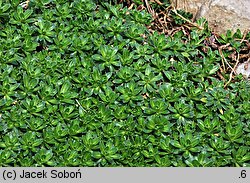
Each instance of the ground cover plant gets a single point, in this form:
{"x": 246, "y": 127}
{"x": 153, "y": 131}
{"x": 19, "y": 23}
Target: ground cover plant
{"x": 101, "y": 83}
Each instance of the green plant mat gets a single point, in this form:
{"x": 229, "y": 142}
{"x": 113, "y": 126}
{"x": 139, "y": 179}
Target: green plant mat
{"x": 89, "y": 83}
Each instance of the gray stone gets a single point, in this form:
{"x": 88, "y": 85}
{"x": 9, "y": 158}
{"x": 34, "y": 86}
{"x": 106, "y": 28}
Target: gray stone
{"x": 244, "y": 69}
{"x": 222, "y": 15}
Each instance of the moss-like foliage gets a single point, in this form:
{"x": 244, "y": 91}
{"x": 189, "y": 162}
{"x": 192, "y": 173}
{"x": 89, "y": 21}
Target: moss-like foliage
{"x": 84, "y": 83}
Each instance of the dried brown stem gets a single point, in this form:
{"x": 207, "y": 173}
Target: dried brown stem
{"x": 190, "y": 22}
{"x": 231, "y": 74}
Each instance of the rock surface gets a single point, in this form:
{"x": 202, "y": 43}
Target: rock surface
{"x": 221, "y": 14}
{"x": 244, "y": 69}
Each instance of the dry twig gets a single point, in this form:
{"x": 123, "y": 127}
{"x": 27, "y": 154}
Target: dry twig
{"x": 224, "y": 60}
{"x": 149, "y": 7}
{"x": 233, "y": 71}
{"x": 244, "y": 36}
{"x": 25, "y": 4}
{"x": 190, "y": 22}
